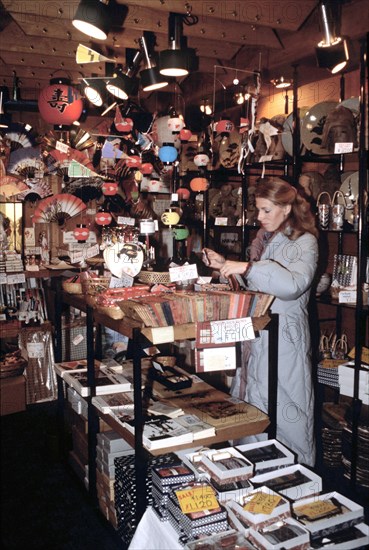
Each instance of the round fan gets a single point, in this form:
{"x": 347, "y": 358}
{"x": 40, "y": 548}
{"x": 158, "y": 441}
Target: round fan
{"x": 58, "y": 208}
{"x": 124, "y": 258}
{"x": 19, "y": 136}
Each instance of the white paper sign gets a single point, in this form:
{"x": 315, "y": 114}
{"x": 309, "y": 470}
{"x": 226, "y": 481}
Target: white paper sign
{"x": 347, "y": 296}
{"x": 32, "y": 250}
{"x": 3, "y": 279}
{"x": 35, "y": 350}
{"x": 183, "y": 273}
{"x": 221, "y": 221}
{"x": 92, "y": 251}
{"x": 29, "y": 236}
{"x": 16, "y": 279}
{"x": 121, "y": 282}
{"x": 215, "y": 359}
{"x": 62, "y": 147}
{"x": 78, "y": 256}
{"x": 232, "y": 330}
{"x": 2, "y": 317}
{"x": 122, "y": 220}
{"x": 340, "y": 148}
{"x": 78, "y": 339}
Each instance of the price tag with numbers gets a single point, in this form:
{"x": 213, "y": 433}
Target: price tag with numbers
{"x": 62, "y": 147}
{"x": 340, "y": 148}
{"x": 16, "y": 279}
{"x": 262, "y": 503}
{"x": 35, "y": 350}
{"x": 197, "y": 499}
{"x": 183, "y": 273}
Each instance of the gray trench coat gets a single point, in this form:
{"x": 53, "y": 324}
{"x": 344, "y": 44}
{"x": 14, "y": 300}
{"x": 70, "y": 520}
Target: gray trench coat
{"x": 286, "y": 270}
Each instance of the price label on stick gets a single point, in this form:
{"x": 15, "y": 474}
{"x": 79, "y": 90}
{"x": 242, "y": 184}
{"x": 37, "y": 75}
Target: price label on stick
{"x": 197, "y": 499}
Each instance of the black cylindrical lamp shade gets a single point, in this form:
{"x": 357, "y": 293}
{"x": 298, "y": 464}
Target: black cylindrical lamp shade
{"x": 151, "y": 79}
{"x": 122, "y": 86}
{"x": 175, "y": 62}
{"x": 95, "y": 92}
{"x": 333, "y": 57}
{"x": 93, "y": 17}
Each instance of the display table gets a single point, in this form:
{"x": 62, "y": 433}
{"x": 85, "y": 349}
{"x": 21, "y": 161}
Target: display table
{"x": 154, "y": 534}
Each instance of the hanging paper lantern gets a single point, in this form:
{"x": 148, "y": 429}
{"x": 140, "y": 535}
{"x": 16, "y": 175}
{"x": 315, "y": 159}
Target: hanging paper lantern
{"x": 168, "y": 154}
{"x": 183, "y": 193}
{"x": 175, "y": 124}
{"x": 185, "y": 134}
{"x": 60, "y": 103}
{"x": 110, "y": 188}
{"x": 170, "y": 217}
{"x": 180, "y": 232}
{"x": 133, "y": 162}
{"x": 199, "y": 184}
{"x": 124, "y": 125}
{"x": 201, "y": 159}
{"x": 103, "y": 218}
{"x": 147, "y": 168}
{"x": 224, "y": 127}
{"x": 81, "y": 233}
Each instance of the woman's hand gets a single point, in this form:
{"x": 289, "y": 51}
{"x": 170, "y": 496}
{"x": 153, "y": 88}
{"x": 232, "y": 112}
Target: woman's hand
{"x": 226, "y": 267}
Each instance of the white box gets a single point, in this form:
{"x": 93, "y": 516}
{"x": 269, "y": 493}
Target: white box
{"x": 285, "y": 477}
{"x": 227, "y": 464}
{"x": 192, "y": 459}
{"x": 282, "y": 509}
{"x": 288, "y": 534}
{"x": 352, "y": 514}
{"x": 261, "y": 455}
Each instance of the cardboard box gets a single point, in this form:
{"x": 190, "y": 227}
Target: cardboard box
{"x": 13, "y": 394}
{"x": 267, "y": 455}
{"x": 294, "y": 482}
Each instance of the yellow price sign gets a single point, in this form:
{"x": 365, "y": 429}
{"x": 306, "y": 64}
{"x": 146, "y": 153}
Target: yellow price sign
{"x": 316, "y": 509}
{"x": 262, "y": 503}
{"x": 197, "y": 499}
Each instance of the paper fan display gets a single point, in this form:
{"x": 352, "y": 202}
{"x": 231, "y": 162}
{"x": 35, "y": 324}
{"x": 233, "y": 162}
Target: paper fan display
{"x": 10, "y": 186}
{"x": 36, "y": 189}
{"x": 87, "y": 189}
{"x": 76, "y": 139}
{"x": 19, "y": 136}
{"x": 124, "y": 258}
{"x": 62, "y": 161}
{"x": 58, "y": 208}
{"x": 26, "y": 163}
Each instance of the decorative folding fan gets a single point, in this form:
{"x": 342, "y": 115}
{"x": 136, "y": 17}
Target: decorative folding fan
{"x": 10, "y": 186}
{"x": 19, "y": 136}
{"x": 87, "y": 189}
{"x": 28, "y": 168}
{"x": 58, "y": 208}
{"x": 36, "y": 190}
{"x": 76, "y": 139}
{"x": 84, "y": 55}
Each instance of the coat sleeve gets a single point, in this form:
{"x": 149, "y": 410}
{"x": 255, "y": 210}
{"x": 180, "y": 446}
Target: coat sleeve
{"x": 290, "y": 273}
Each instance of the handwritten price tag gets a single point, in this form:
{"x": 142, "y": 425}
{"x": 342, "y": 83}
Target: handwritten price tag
{"x": 262, "y": 503}
{"x": 125, "y": 221}
{"x": 197, "y": 499}
{"x": 340, "y": 148}
{"x": 316, "y": 509}
{"x": 183, "y": 273}
{"x": 35, "y": 350}
{"x": 62, "y": 147}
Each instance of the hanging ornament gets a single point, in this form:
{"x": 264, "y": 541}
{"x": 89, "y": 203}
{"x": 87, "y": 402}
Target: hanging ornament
{"x": 123, "y": 125}
{"x": 183, "y": 193}
{"x": 168, "y": 153}
{"x": 185, "y": 134}
{"x": 60, "y": 103}
{"x": 133, "y": 162}
{"x": 201, "y": 159}
{"x": 199, "y": 184}
{"x": 180, "y": 232}
{"x": 147, "y": 168}
{"x": 103, "y": 218}
{"x": 170, "y": 217}
{"x": 81, "y": 233}
{"x": 224, "y": 127}
{"x": 175, "y": 123}
{"x": 110, "y": 188}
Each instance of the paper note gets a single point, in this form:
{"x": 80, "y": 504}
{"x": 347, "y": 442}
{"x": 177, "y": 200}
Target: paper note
{"x": 262, "y": 503}
{"x": 232, "y": 330}
{"x": 197, "y": 499}
{"x": 183, "y": 273}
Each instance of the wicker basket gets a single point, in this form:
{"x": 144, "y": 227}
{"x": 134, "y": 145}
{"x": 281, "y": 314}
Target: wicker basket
{"x": 72, "y": 288}
{"x": 95, "y": 286}
{"x": 12, "y": 369}
{"x": 114, "y": 312}
{"x": 154, "y": 277}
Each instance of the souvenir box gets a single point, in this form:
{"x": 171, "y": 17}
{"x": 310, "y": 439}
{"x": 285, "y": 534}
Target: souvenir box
{"x": 294, "y": 482}
{"x": 260, "y": 508}
{"x": 226, "y": 465}
{"x": 327, "y": 513}
{"x": 192, "y": 458}
{"x": 288, "y": 534}
{"x": 356, "y": 536}
{"x": 267, "y": 455}
{"x": 229, "y": 540}
{"x": 232, "y": 489}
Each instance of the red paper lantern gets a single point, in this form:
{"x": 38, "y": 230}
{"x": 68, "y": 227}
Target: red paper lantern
{"x": 133, "y": 162}
{"x": 185, "y": 134}
{"x": 60, "y": 103}
{"x": 224, "y": 127}
{"x": 199, "y": 184}
{"x": 147, "y": 168}
{"x": 183, "y": 193}
{"x": 81, "y": 233}
{"x": 103, "y": 218}
{"x": 110, "y": 188}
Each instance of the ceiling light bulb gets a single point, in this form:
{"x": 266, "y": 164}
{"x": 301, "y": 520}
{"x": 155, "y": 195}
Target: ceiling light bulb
{"x": 236, "y": 81}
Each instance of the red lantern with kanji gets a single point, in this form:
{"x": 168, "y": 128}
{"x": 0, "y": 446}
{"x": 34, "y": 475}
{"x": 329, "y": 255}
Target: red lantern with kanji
{"x": 81, "y": 233}
{"x": 60, "y": 103}
{"x": 103, "y": 218}
{"x": 109, "y": 188}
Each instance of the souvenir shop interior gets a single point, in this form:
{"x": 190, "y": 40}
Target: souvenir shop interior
{"x": 184, "y": 274}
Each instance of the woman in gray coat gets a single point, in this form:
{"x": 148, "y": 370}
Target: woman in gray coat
{"x": 283, "y": 260}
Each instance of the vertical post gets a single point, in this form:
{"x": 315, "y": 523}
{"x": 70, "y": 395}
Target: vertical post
{"x": 273, "y": 327}
{"x": 296, "y": 140}
{"x": 93, "y": 419}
